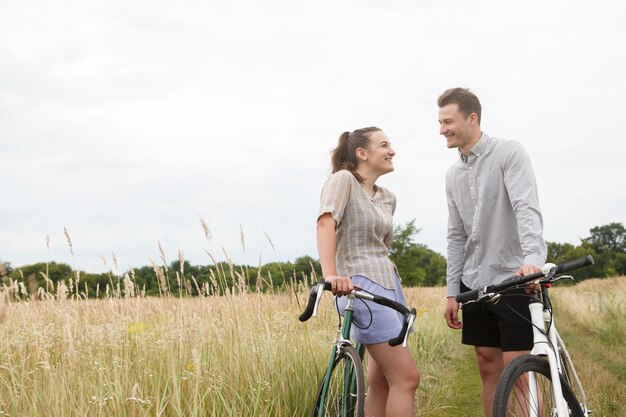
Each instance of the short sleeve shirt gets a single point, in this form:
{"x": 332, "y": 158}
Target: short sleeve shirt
{"x": 364, "y": 227}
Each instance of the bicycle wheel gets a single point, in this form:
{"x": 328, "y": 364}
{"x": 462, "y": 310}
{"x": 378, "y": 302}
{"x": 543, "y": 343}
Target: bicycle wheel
{"x": 514, "y": 398}
{"x": 344, "y": 395}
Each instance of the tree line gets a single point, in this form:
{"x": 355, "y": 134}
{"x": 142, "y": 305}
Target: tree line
{"x": 417, "y": 265}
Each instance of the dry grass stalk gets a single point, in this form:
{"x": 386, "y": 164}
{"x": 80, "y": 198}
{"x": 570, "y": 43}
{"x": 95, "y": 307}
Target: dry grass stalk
{"x": 48, "y": 281}
{"x": 162, "y": 255}
{"x": 259, "y": 279}
{"x": 195, "y": 283}
{"x": 178, "y": 281}
{"x": 181, "y": 262}
{"x": 3, "y": 306}
{"x": 129, "y": 287}
{"x": 242, "y": 237}
{"x": 213, "y": 281}
{"x": 269, "y": 240}
{"x": 205, "y": 227}
{"x": 62, "y": 292}
{"x": 69, "y": 240}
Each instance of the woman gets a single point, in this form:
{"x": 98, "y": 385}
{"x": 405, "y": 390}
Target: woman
{"x": 354, "y": 233}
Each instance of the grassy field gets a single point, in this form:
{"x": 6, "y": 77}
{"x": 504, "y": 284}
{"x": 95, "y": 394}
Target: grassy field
{"x": 246, "y": 354}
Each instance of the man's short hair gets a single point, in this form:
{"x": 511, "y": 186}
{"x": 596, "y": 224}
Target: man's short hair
{"x": 467, "y": 101}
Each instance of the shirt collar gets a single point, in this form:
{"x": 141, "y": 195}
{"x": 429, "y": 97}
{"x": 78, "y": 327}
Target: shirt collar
{"x": 479, "y": 148}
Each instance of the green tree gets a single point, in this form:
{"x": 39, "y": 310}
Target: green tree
{"x": 609, "y": 238}
{"x": 5, "y": 269}
{"x": 306, "y": 265}
{"x": 55, "y": 271}
{"x": 417, "y": 264}
{"x": 609, "y": 243}
{"x": 564, "y": 252}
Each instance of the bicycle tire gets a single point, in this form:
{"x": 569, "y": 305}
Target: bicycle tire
{"x": 346, "y": 375}
{"x": 506, "y": 402}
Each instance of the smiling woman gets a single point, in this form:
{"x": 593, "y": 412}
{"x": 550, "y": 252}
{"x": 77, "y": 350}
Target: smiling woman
{"x": 354, "y": 234}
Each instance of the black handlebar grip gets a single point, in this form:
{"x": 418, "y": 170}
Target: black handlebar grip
{"x": 405, "y": 328}
{"x": 576, "y": 263}
{"x": 466, "y": 296}
{"x": 310, "y": 306}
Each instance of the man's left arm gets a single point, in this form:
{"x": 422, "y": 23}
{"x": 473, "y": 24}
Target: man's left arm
{"x": 521, "y": 185}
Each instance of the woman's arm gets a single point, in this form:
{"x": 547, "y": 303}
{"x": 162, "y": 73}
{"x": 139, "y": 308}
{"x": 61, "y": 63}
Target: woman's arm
{"x": 327, "y": 250}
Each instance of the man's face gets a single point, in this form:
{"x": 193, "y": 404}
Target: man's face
{"x": 455, "y": 126}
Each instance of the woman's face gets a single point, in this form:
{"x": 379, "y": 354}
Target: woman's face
{"x": 378, "y": 156}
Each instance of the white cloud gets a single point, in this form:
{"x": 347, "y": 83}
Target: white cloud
{"x": 126, "y": 121}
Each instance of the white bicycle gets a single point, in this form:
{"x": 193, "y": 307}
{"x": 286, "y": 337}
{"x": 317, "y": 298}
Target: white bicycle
{"x": 544, "y": 382}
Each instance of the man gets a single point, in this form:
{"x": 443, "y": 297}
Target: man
{"x": 495, "y": 231}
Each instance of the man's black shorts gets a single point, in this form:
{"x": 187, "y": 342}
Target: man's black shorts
{"x": 499, "y": 324}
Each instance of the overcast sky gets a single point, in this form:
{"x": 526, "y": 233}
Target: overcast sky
{"x": 127, "y": 121}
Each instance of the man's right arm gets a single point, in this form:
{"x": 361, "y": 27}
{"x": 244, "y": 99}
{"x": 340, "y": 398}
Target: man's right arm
{"x": 457, "y": 239}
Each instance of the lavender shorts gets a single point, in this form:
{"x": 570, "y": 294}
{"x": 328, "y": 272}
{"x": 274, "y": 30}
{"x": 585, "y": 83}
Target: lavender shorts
{"x": 376, "y": 324}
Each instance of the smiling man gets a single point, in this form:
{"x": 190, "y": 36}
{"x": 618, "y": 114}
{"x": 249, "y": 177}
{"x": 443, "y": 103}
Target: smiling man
{"x": 495, "y": 230}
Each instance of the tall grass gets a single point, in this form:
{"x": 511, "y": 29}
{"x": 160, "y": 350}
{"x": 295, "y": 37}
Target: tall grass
{"x": 591, "y": 318}
{"x": 243, "y": 353}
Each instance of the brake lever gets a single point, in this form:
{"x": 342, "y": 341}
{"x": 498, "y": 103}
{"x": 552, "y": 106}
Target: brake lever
{"x": 320, "y": 292}
{"x": 555, "y": 279}
{"x": 408, "y": 329}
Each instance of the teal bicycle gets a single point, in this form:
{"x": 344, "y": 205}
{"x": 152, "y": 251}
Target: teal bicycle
{"x": 342, "y": 390}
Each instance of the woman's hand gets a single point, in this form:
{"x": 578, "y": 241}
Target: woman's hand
{"x": 341, "y": 285}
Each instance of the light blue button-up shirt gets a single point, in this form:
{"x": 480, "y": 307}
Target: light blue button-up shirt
{"x": 494, "y": 220}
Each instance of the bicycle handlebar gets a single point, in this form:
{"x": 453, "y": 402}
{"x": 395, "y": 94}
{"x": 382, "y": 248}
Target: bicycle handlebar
{"x": 409, "y": 315}
{"x": 517, "y": 280}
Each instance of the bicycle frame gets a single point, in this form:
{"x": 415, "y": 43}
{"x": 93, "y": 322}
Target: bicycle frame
{"x": 549, "y": 344}
{"x": 343, "y": 339}
{"x": 353, "y": 385}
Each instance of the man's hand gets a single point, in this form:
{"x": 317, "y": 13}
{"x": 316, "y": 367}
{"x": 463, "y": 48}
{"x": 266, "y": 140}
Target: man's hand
{"x": 452, "y": 314}
{"x": 527, "y": 270}
{"x": 341, "y": 285}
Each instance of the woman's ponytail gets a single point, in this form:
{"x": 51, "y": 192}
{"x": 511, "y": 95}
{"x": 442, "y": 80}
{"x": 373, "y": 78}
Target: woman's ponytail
{"x": 344, "y": 155}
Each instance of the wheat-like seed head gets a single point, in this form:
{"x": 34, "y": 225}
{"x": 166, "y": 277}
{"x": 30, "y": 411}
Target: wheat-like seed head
{"x": 181, "y": 262}
{"x": 162, "y": 254}
{"x": 205, "y": 227}
{"x": 242, "y": 236}
{"x": 69, "y": 239}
